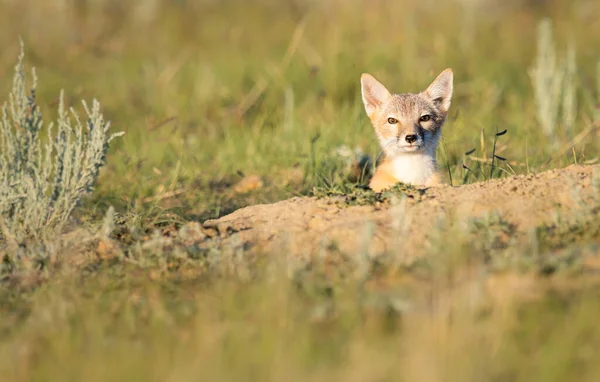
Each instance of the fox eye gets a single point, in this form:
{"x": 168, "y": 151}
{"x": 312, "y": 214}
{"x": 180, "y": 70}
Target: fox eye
{"x": 425, "y": 118}
{"x": 392, "y": 121}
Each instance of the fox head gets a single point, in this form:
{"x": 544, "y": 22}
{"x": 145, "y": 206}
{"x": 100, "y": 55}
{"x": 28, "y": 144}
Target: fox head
{"x": 409, "y": 122}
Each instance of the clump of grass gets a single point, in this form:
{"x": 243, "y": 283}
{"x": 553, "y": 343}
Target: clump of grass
{"x": 553, "y": 81}
{"x": 582, "y": 227}
{"x": 491, "y": 233}
{"x": 495, "y": 159}
{"x": 336, "y": 167}
{"x": 40, "y": 184}
{"x": 361, "y": 195}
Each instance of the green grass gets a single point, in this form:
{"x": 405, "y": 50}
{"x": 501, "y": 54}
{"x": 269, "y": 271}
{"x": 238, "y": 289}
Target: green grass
{"x": 202, "y": 92}
{"x": 210, "y": 92}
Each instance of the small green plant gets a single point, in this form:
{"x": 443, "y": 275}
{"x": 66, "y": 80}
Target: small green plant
{"x": 40, "y": 184}
{"x": 494, "y": 158}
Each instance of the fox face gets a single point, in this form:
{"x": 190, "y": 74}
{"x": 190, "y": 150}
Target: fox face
{"x": 410, "y": 122}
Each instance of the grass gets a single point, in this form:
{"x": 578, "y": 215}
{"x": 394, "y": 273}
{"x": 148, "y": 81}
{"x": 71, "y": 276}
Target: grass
{"x": 437, "y": 319}
{"x": 213, "y": 93}
{"x": 200, "y": 101}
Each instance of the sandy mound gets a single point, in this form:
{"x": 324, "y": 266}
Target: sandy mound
{"x": 304, "y": 226}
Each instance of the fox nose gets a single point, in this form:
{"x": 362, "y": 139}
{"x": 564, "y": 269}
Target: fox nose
{"x": 411, "y": 138}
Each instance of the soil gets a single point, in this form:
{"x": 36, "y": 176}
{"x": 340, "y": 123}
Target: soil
{"x": 308, "y": 225}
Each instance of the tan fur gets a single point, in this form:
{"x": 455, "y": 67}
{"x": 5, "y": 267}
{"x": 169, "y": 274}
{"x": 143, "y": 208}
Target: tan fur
{"x": 383, "y": 178}
{"x": 408, "y": 127}
{"x": 435, "y": 180}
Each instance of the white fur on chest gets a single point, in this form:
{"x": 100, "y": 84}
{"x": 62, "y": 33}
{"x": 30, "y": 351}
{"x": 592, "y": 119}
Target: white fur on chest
{"x": 414, "y": 169}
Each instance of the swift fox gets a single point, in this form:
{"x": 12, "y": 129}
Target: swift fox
{"x": 408, "y": 127}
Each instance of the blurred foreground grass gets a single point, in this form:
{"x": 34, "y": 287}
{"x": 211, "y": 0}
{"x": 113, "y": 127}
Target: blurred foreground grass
{"x": 209, "y": 92}
{"x": 125, "y": 325}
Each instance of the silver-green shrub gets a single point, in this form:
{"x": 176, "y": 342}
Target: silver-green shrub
{"x": 554, "y": 83}
{"x": 42, "y": 178}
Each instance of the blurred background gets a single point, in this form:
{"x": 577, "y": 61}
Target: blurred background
{"x": 228, "y": 103}
{"x": 212, "y": 92}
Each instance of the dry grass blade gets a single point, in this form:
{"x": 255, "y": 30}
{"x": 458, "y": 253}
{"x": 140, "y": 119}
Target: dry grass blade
{"x": 593, "y": 127}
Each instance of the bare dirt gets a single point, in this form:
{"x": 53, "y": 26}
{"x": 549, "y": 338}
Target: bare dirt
{"x": 305, "y": 226}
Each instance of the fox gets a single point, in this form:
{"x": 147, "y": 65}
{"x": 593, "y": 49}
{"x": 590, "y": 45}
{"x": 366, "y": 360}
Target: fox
{"x": 408, "y": 127}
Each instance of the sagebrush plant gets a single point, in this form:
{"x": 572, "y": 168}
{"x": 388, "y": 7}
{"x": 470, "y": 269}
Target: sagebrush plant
{"x": 43, "y": 178}
{"x": 553, "y": 81}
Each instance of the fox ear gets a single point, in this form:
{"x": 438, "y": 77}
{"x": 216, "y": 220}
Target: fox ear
{"x": 374, "y": 94}
{"x": 440, "y": 90}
